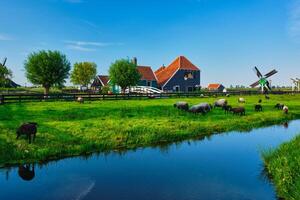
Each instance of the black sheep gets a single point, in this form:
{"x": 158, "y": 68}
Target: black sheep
{"x": 240, "y": 110}
{"x": 279, "y": 106}
{"x": 227, "y": 108}
{"x": 259, "y": 101}
{"x": 258, "y": 107}
{"x": 27, "y": 129}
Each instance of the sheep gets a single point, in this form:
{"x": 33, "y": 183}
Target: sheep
{"x": 227, "y": 95}
{"x": 220, "y": 103}
{"x": 259, "y": 101}
{"x": 80, "y": 100}
{"x": 182, "y": 105}
{"x": 279, "y": 106}
{"x": 239, "y": 110}
{"x": 227, "y": 108}
{"x": 285, "y": 109}
{"x": 258, "y": 107}
{"x": 200, "y": 108}
{"x": 27, "y": 129}
{"x": 267, "y": 97}
{"x": 241, "y": 100}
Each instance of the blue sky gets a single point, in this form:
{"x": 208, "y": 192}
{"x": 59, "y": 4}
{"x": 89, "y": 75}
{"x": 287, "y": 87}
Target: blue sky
{"x": 225, "y": 38}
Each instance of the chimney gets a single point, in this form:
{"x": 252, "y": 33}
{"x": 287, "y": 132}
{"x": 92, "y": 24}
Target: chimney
{"x": 134, "y": 60}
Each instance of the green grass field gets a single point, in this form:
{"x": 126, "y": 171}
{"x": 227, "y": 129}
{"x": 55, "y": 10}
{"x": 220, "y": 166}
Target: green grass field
{"x": 283, "y": 166}
{"x": 68, "y": 128}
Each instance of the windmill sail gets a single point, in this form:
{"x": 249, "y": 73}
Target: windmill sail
{"x": 4, "y": 61}
{"x": 271, "y": 73}
{"x": 259, "y": 75}
{"x": 268, "y": 85}
{"x": 254, "y": 84}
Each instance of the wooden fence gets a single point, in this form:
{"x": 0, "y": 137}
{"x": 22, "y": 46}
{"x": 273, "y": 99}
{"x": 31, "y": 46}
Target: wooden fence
{"x": 18, "y": 98}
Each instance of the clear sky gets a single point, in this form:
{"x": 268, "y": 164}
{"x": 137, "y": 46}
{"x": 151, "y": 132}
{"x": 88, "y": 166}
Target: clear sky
{"x": 225, "y": 38}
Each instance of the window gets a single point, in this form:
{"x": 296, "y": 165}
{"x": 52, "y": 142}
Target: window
{"x": 188, "y": 75}
{"x": 176, "y": 88}
{"x": 149, "y": 83}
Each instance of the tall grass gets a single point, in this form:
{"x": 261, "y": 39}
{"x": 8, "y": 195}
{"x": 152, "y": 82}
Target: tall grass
{"x": 69, "y": 128}
{"x": 283, "y": 166}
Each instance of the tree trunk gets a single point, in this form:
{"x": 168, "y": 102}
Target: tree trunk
{"x": 46, "y": 91}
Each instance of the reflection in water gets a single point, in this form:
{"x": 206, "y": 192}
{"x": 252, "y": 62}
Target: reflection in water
{"x": 225, "y": 167}
{"x": 26, "y": 172}
{"x": 286, "y": 125}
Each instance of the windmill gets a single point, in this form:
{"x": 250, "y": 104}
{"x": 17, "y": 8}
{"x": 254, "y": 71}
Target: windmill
{"x": 296, "y": 83}
{"x": 4, "y": 62}
{"x": 263, "y": 80}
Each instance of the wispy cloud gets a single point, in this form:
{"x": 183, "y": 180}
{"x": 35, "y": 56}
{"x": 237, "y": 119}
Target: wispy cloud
{"x": 4, "y": 37}
{"x": 294, "y": 20}
{"x": 87, "y": 45}
{"x": 79, "y": 48}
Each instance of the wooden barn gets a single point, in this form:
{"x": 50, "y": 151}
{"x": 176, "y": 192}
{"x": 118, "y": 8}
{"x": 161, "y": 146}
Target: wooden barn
{"x": 180, "y": 76}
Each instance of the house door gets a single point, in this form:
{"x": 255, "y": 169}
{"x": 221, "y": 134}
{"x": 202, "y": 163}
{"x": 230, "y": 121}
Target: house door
{"x": 190, "y": 89}
{"x": 177, "y": 88}
{"x": 149, "y": 83}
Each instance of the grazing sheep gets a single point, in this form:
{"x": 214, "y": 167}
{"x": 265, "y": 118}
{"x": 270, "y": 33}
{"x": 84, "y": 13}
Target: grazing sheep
{"x": 267, "y": 97}
{"x": 80, "y": 100}
{"x": 201, "y": 95}
{"x": 200, "y": 108}
{"x": 258, "y": 107}
{"x": 285, "y": 109}
{"x": 279, "y": 106}
{"x": 27, "y": 129}
{"x": 259, "y": 101}
{"x": 241, "y": 100}
{"x": 227, "y": 108}
{"x": 227, "y": 95}
{"x": 220, "y": 103}
{"x": 240, "y": 110}
{"x": 182, "y": 105}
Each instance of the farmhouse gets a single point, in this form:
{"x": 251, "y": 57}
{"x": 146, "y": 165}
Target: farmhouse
{"x": 180, "y": 76}
{"x": 215, "y": 87}
{"x": 148, "y": 78}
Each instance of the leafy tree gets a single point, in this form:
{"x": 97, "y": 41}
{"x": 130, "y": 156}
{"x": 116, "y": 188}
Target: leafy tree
{"x": 124, "y": 73}
{"x": 47, "y": 68}
{"x": 83, "y": 73}
{"x": 5, "y": 75}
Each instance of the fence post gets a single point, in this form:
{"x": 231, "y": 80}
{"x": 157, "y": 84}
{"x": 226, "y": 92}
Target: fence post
{"x": 1, "y": 99}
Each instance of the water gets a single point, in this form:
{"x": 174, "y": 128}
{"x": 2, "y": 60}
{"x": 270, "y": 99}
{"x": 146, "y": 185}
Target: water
{"x": 223, "y": 167}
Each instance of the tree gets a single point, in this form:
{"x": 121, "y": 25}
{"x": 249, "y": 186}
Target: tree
{"x": 124, "y": 73}
{"x": 47, "y": 68}
{"x": 83, "y": 73}
{"x": 5, "y": 75}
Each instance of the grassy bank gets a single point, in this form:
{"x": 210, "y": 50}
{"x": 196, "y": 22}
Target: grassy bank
{"x": 283, "y": 166}
{"x": 69, "y": 128}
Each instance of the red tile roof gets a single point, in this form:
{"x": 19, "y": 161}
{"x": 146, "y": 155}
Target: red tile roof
{"x": 181, "y": 62}
{"x": 104, "y": 79}
{"x": 146, "y": 72}
{"x": 213, "y": 86}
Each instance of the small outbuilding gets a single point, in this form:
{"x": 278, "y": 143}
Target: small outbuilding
{"x": 216, "y": 87}
{"x": 99, "y": 82}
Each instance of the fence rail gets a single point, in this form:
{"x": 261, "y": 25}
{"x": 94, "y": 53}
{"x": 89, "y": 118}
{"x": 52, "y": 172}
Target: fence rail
{"x": 18, "y": 98}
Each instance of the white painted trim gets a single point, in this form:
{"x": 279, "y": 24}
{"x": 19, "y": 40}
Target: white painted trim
{"x": 170, "y": 78}
{"x": 100, "y": 81}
